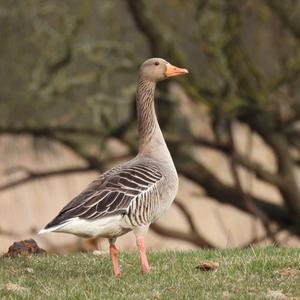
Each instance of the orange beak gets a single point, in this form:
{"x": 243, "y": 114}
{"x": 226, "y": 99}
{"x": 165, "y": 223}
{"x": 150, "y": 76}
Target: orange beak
{"x": 174, "y": 71}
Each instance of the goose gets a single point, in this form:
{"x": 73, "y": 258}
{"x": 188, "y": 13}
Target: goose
{"x": 131, "y": 195}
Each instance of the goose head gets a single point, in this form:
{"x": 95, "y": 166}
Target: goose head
{"x": 157, "y": 69}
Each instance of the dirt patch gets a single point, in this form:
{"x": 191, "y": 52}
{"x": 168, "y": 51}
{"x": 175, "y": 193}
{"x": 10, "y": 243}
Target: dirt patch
{"x": 208, "y": 265}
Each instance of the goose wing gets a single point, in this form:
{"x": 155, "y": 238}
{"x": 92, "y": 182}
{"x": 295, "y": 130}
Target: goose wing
{"x": 110, "y": 194}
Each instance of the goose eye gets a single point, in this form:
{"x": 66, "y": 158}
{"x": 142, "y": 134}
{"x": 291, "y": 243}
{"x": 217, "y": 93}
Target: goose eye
{"x": 156, "y": 63}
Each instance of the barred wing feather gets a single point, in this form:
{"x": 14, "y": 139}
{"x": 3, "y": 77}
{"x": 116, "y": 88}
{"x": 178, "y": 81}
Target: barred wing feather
{"x": 112, "y": 193}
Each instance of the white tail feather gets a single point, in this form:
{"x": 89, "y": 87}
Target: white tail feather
{"x": 106, "y": 227}
{"x": 54, "y": 228}
{"x": 42, "y": 231}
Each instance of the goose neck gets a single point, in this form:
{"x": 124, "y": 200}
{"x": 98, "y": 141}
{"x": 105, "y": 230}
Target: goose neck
{"x": 150, "y": 136}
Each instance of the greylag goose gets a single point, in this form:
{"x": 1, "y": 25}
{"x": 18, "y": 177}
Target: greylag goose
{"x": 132, "y": 195}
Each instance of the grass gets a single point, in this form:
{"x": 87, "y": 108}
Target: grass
{"x": 242, "y": 274}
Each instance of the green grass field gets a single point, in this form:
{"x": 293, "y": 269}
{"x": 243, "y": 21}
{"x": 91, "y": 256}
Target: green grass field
{"x": 257, "y": 273}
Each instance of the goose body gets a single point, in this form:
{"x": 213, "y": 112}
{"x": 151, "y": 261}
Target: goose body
{"x": 128, "y": 196}
{"x": 132, "y": 195}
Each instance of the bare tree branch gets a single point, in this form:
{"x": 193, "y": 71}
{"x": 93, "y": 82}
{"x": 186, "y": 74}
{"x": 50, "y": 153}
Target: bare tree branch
{"x": 289, "y": 75}
{"x": 284, "y": 14}
{"x": 187, "y": 215}
{"x": 9, "y": 233}
{"x": 64, "y": 60}
{"x": 35, "y": 175}
{"x": 200, "y": 141}
{"x": 257, "y": 169}
{"x": 193, "y": 236}
{"x": 249, "y": 204}
{"x": 188, "y": 237}
{"x": 51, "y": 131}
{"x": 241, "y": 159}
{"x": 288, "y": 188}
{"x": 147, "y": 25}
{"x": 192, "y": 169}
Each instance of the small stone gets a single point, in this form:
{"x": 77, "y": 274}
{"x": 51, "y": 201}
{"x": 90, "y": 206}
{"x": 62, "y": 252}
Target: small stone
{"x": 29, "y": 270}
{"x": 226, "y": 295}
{"x": 98, "y": 252}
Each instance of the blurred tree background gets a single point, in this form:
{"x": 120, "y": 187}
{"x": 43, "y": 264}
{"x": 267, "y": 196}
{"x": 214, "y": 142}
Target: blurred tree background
{"x": 68, "y": 75}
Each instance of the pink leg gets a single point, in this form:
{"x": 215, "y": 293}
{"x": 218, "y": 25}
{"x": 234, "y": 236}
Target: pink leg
{"x": 114, "y": 258}
{"x": 142, "y": 248}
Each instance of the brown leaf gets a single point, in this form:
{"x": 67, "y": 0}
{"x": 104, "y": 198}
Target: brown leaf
{"x": 208, "y": 265}
{"x": 276, "y": 295}
{"x": 286, "y": 272}
{"x": 15, "y": 288}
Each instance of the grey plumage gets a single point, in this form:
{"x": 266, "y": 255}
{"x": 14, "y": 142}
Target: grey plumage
{"x": 130, "y": 189}
{"x": 132, "y": 195}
